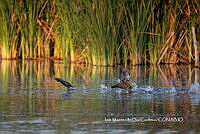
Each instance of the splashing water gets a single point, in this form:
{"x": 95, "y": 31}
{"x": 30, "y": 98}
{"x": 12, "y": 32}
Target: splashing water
{"x": 195, "y": 88}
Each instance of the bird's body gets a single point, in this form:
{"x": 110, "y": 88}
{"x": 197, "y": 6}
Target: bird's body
{"x": 125, "y": 82}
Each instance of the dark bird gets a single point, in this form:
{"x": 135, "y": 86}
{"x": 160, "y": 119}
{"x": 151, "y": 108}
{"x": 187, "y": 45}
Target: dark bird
{"x": 66, "y": 84}
{"x": 125, "y": 82}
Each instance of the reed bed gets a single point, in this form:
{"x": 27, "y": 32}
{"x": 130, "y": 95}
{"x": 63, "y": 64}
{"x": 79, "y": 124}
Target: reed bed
{"x": 106, "y": 32}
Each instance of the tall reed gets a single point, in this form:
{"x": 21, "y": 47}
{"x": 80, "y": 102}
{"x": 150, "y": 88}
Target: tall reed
{"x": 138, "y": 20}
{"x": 8, "y": 39}
{"x": 106, "y": 32}
{"x": 104, "y": 19}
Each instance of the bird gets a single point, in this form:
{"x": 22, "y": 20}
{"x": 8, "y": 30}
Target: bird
{"x": 125, "y": 82}
{"x": 65, "y": 83}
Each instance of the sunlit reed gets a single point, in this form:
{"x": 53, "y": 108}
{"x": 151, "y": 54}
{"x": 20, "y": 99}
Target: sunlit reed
{"x": 99, "y": 32}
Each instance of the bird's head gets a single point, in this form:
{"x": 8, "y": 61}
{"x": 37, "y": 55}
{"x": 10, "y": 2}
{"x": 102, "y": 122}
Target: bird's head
{"x": 125, "y": 74}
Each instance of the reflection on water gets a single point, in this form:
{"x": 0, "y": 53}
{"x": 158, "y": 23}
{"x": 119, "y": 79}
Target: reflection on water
{"x": 165, "y": 99}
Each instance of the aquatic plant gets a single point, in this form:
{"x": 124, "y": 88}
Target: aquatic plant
{"x": 99, "y": 32}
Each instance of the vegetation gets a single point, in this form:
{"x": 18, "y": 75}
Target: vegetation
{"x": 106, "y": 32}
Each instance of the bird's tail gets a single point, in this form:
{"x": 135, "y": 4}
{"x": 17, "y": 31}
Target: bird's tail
{"x": 65, "y": 83}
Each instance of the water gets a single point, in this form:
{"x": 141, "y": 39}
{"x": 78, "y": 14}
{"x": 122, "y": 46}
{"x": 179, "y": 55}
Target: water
{"x": 165, "y": 99}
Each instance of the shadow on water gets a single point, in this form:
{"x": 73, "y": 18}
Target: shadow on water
{"x": 165, "y": 99}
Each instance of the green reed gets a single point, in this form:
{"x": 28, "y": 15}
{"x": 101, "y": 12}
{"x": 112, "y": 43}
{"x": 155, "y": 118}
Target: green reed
{"x": 69, "y": 30}
{"x": 7, "y": 27}
{"x": 137, "y": 21}
{"x": 157, "y": 34}
{"x": 103, "y": 28}
{"x": 106, "y": 32}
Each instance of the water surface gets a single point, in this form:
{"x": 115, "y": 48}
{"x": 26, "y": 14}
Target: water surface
{"x": 165, "y": 99}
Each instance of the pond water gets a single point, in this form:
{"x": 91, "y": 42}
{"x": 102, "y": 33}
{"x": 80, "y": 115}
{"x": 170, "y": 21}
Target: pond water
{"x": 165, "y": 99}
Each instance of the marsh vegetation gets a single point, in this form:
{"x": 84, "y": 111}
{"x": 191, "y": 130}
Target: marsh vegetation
{"x": 106, "y": 32}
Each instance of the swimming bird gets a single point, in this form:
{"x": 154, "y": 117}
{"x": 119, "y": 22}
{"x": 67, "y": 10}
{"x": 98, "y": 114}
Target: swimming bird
{"x": 125, "y": 82}
{"x": 65, "y": 83}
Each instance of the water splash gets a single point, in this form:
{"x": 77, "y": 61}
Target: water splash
{"x": 103, "y": 88}
{"x": 195, "y": 88}
{"x": 195, "y": 94}
{"x": 171, "y": 90}
{"x": 144, "y": 90}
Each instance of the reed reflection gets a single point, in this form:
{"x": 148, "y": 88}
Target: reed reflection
{"x": 29, "y": 87}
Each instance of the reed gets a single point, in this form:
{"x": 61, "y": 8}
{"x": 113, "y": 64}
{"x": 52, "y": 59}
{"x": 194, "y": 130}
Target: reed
{"x": 7, "y": 26}
{"x": 99, "y": 32}
{"x": 157, "y": 30}
{"x": 103, "y": 29}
